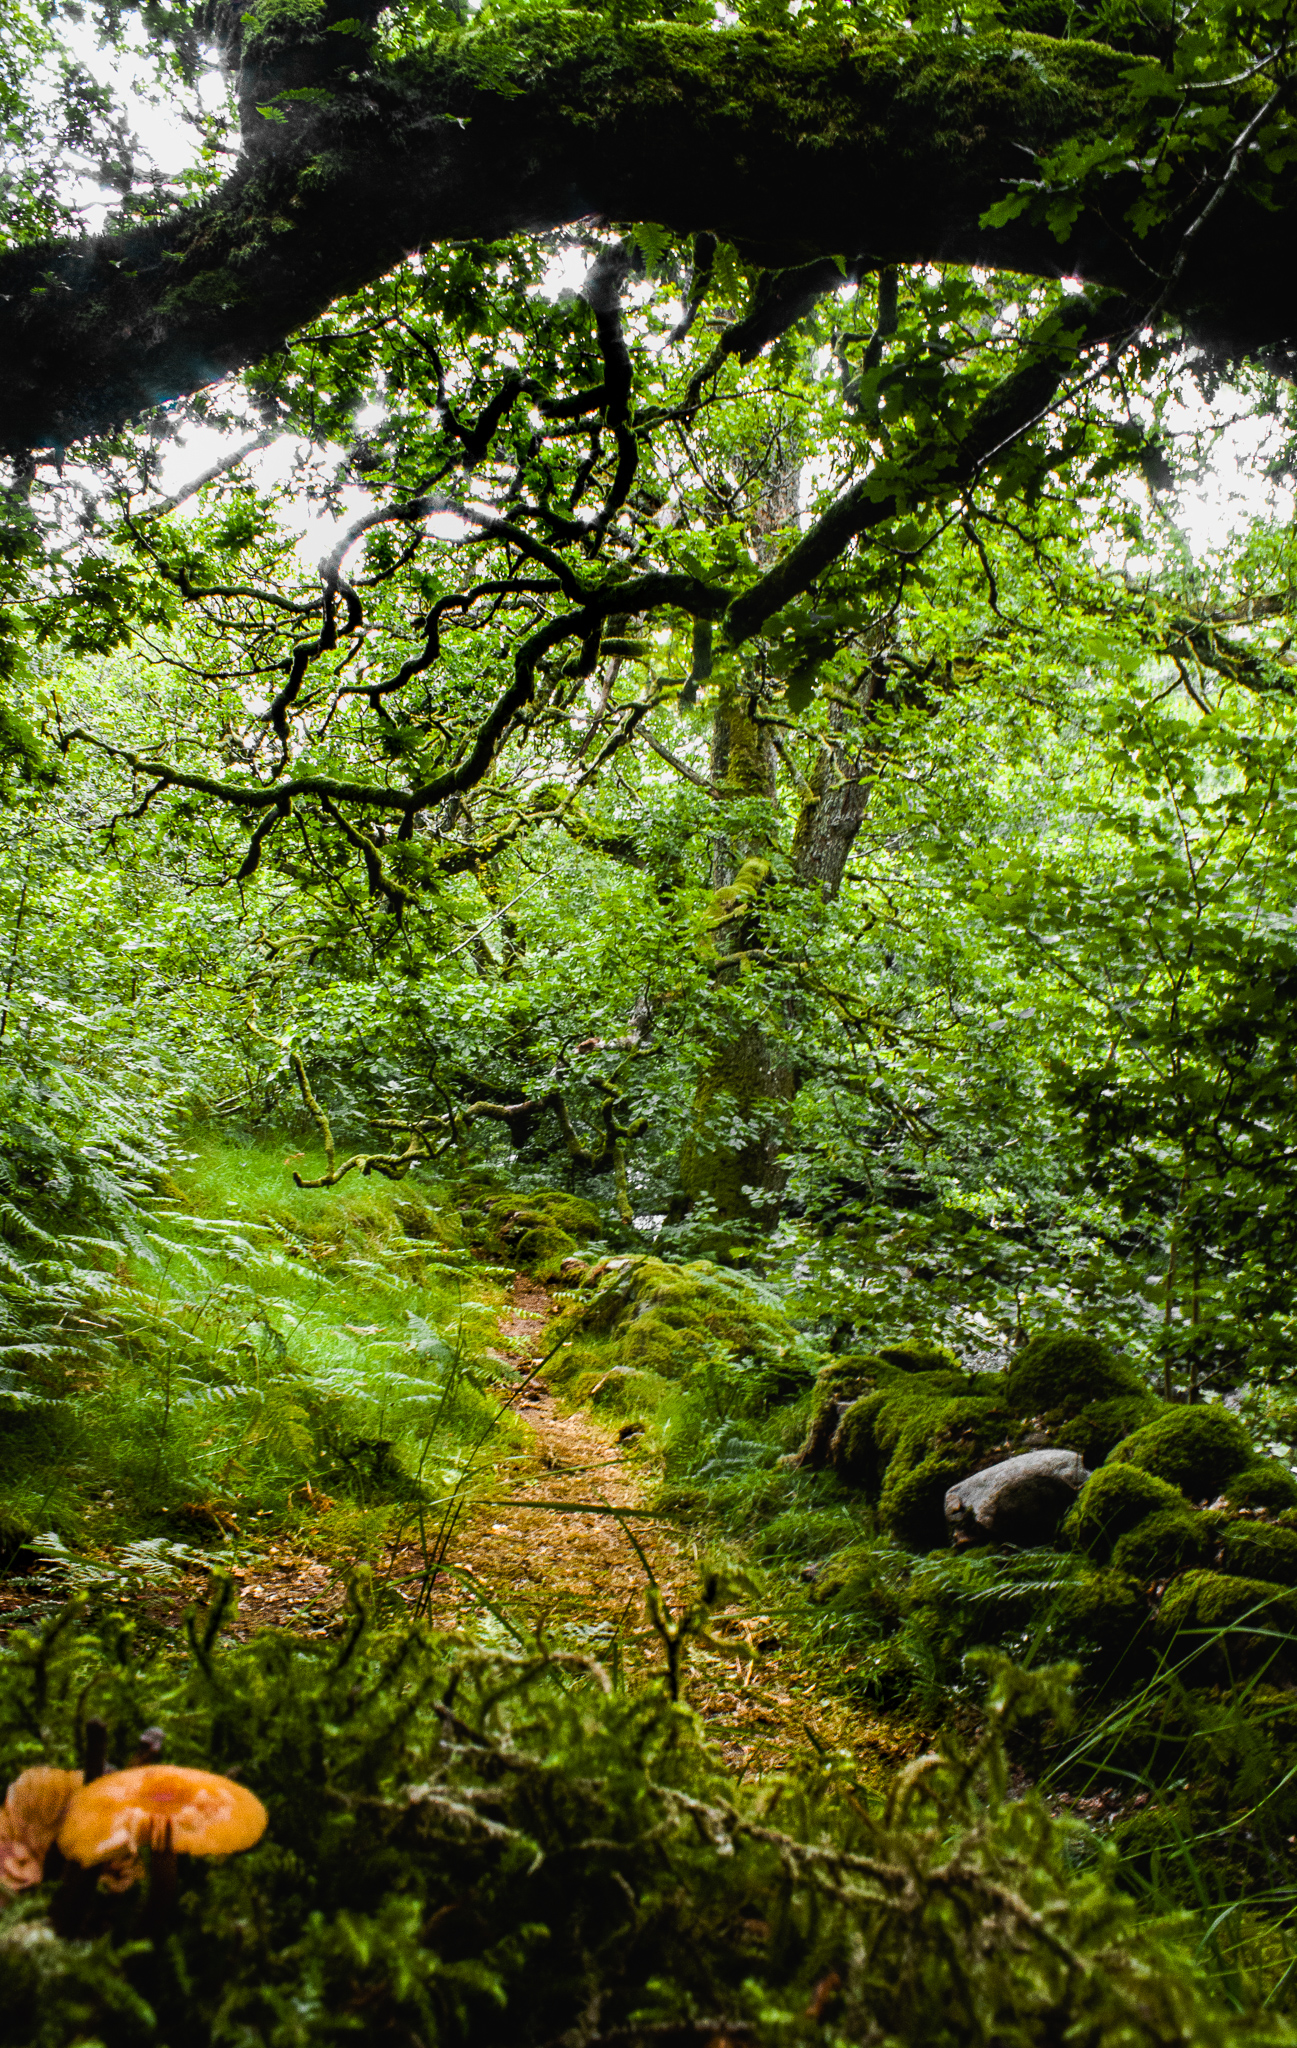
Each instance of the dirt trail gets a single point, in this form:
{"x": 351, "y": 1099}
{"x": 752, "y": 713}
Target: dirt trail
{"x": 580, "y": 1571}
{"x": 544, "y": 1551}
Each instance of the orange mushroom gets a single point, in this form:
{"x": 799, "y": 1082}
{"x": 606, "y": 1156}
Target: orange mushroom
{"x": 29, "y": 1820}
{"x": 165, "y": 1806}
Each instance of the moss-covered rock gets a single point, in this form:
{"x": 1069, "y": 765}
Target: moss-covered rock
{"x": 542, "y": 1231}
{"x": 1197, "y": 1449}
{"x": 931, "y": 1453}
{"x": 1101, "y": 1425}
{"x": 1100, "y": 1615}
{"x": 1253, "y": 1550}
{"x": 1217, "y": 1601}
{"x": 542, "y": 1249}
{"x": 1117, "y": 1499}
{"x": 1068, "y": 1373}
{"x": 1267, "y": 1484}
{"x": 675, "y": 1322}
{"x": 859, "y": 1457}
{"x": 918, "y": 1357}
{"x": 908, "y": 1440}
{"x": 1170, "y": 1541}
{"x": 900, "y": 1416}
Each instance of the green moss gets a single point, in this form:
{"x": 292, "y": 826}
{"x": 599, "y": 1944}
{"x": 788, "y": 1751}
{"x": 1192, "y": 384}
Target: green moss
{"x": 1252, "y": 1550}
{"x": 542, "y": 1249}
{"x": 579, "y": 1218}
{"x": 1117, "y": 1499}
{"x": 918, "y": 1357}
{"x": 844, "y": 1379}
{"x": 935, "y": 1443}
{"x": 684, "y": 1323}
{"x": 1267, "y": 1484}
{"x": 666, "y": 1342}
{"x": 1215, "y": 1600}
{"x": 912, "y": 1507}
{"x": 1197, "y": 1449}
{"x": 859, "y": 1458}
{"x": 1101, "y": 1425}
{"x": 538, "y": 1233}
{"x": 1069, "y": 1373}
{"x": 873, "y": 1426}
{"x": 1163, "y": 1544}
{"x": 1102, "y": 1612}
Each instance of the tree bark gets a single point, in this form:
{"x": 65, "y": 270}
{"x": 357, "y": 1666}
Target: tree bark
{"x": 892, "y": 147}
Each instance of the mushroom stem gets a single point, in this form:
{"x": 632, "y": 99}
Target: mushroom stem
{"x": 73, "y": 1902}
{"x": 96, "y": 1751}
{"x": 162, "y": 1884}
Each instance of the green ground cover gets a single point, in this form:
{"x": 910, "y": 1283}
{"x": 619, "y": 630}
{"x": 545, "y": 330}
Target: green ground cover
{"x": 254, "y": 1348}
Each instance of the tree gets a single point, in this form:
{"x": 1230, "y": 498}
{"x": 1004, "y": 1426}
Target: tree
{"x": 362, "y": 141}
{"x": 419, "y": 712}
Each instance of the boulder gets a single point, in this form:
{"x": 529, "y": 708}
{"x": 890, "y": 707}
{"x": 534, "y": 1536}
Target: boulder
{"x": 1021, "y": 1500}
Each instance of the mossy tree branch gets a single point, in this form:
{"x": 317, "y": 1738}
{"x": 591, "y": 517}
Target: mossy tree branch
{"x": 794, "y": 148}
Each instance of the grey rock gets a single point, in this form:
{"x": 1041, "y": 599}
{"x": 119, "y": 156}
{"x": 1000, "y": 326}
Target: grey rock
{"x": 1021, "y": 1500}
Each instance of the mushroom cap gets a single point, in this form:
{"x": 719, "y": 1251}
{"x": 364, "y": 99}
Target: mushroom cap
{"x": 117, "y": 1814}
{"x": 29, "y": 1820}
{"x": 35, "y": 1803}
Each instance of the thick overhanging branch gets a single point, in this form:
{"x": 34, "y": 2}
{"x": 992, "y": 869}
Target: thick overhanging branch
{"x": 937, "y": 467}
{"x": 794, "y": 147}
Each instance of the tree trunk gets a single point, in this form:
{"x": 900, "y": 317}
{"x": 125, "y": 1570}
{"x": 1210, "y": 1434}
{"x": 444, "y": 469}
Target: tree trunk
{"x": 740, "y": 1110}
{"x": 740, "y": 1107}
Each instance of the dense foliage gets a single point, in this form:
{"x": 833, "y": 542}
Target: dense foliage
{"x": 728, "y": 753}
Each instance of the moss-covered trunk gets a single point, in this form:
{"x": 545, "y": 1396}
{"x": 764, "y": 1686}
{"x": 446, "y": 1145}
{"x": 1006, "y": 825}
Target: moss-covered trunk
{"x": 740, "y": 1107}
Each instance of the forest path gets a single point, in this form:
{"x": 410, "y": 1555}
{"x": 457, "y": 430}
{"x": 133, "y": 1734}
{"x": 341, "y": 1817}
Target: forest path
{"x": 556, "y": 1548}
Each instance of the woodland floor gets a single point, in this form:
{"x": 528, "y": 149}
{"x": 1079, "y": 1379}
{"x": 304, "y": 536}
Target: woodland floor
{"x": 552, "y": 1550}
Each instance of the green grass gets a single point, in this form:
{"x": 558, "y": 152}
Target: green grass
{"x": 268, "y": 1349}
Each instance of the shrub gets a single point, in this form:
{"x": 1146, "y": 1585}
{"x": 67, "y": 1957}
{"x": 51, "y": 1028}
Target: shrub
{"x": 1197, "y": 1449}
{"x": 869, "y": 1576}
{"x": 1267, "y": 1484}
{"x": 1068, "y": 1372}
{"x": 804, "y": 1533}
{"x": 1163, "y": 1544}
{"x": 1118, "y": 1498}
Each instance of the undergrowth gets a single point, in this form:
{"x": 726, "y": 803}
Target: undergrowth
{"x": 479, "y": 1847}
{"x": 252, "y": 1358}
